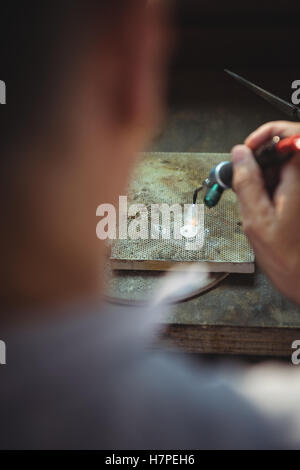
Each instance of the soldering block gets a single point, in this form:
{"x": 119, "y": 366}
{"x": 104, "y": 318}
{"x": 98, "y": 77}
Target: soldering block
{"x": 171, "y": 178}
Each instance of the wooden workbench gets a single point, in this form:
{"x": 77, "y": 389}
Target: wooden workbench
{"x": 244, "y": 315}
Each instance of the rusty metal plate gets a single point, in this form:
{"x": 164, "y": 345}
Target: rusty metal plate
{"x": 171, "y": 178}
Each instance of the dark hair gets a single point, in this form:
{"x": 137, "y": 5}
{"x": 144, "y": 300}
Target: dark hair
{"x": 36, "y": 37}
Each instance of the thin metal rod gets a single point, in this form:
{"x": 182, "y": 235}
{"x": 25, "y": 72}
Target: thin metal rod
{"x": 291, "y": 110}
{"x": 196, "y": 194}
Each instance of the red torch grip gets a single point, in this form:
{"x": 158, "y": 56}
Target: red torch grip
{"x": 289, "y": 145}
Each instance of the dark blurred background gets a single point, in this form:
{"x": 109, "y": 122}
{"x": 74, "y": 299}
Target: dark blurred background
{"x": 207, "y": 110}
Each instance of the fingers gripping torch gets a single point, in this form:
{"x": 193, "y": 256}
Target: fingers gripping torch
{"x": 270, "y": 157}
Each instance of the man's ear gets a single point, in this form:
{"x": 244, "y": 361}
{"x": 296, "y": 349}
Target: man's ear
{"x": 140, "y": 63}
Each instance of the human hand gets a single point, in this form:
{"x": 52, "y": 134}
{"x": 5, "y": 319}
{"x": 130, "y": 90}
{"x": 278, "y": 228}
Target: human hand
{"x": 272, "y": 226}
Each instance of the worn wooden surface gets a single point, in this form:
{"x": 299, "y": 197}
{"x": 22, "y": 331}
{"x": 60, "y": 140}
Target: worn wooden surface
{"x": 211, "y": 339}
{"x": 162, "y": 265}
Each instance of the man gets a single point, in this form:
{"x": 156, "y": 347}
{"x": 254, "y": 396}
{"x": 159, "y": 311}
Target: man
{"x": 85, "y": 84}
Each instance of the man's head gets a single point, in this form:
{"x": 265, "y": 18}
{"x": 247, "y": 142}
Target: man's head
{"x": 84, "y": 92}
